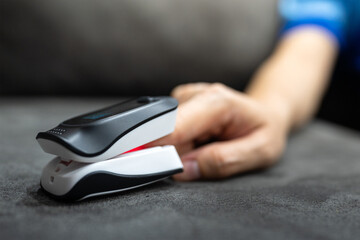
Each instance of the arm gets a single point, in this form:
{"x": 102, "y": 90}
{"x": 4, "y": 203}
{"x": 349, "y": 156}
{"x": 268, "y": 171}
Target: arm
{"x": 295, "y": 77}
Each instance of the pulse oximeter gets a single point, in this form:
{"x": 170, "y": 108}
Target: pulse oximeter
{"x": 96, "y": 151}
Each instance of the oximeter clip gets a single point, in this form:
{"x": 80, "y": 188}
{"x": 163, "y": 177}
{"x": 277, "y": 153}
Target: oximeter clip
{"x": 95, "y": 151}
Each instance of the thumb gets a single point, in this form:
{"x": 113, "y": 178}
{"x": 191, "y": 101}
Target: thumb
{"x": 204, "y": 162}
{"x": 223, "y": 159}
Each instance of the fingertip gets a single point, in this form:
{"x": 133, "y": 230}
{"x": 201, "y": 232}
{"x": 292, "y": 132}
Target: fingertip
{"x": 191, "y": 172}
{"x": 175, "y": 92}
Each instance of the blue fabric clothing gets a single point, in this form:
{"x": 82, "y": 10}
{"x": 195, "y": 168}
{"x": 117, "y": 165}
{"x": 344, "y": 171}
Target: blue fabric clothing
{"x": 341, "y": 18}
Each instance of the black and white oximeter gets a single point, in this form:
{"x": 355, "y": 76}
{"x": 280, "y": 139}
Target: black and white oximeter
{"x": 93, "y": 149}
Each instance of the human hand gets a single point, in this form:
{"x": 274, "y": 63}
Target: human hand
{"x": 220, "y": 132}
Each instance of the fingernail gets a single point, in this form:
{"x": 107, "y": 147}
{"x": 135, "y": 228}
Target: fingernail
{"x": 191, "y": 171}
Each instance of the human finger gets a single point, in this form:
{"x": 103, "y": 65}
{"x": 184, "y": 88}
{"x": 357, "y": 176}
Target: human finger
{"x": 186, "y": 91}
{"x": 223, "y": 159}
{"x": 198, "y": 116}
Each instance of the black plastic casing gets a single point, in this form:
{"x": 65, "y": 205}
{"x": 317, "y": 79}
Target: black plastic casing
{"x": 93, "y": 133}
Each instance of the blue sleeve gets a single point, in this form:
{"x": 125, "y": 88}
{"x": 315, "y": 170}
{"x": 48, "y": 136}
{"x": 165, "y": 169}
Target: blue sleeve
{"x": 328, "y": 14}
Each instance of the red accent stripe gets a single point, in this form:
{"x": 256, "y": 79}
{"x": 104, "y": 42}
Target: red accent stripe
{"x": 136, "y": 149}
{"x": 66, "y": 163}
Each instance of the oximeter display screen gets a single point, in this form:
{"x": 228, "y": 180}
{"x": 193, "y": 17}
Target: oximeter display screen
{"x": 104, "y": 113}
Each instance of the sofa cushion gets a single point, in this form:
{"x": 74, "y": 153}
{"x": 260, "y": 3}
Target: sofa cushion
{"x": 131, "y": 47}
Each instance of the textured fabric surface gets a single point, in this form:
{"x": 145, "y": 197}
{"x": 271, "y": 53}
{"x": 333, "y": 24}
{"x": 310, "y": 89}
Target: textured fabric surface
{"x": 124, "y": 47}
{"x": 313, "y": 193}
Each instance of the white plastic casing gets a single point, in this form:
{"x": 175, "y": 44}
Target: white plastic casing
{"x": 145, "y": 133}
{"x": 59, "y": 177}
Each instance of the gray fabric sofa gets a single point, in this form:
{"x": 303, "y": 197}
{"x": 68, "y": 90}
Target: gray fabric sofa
{"x": 134, "y": 47}
{"x": 312, "y": 193}
{"x": 131, "y": 47}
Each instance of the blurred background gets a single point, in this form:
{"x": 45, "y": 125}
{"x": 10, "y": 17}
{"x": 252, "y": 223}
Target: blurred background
{"x": 141, "y": 47}
{"x": 130, "y": 47}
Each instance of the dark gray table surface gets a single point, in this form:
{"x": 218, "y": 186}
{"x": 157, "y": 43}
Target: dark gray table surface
{"x": 313, "y": 193}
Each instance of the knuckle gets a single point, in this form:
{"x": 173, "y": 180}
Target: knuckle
{"x": 270, "y": 152}
{"x": 178, "y": 90}
{"x": 217, "y": 88}
{"x": 219, "y": 94}
{"x": 219, "y": 163}
{"x": 184, "y": 88}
